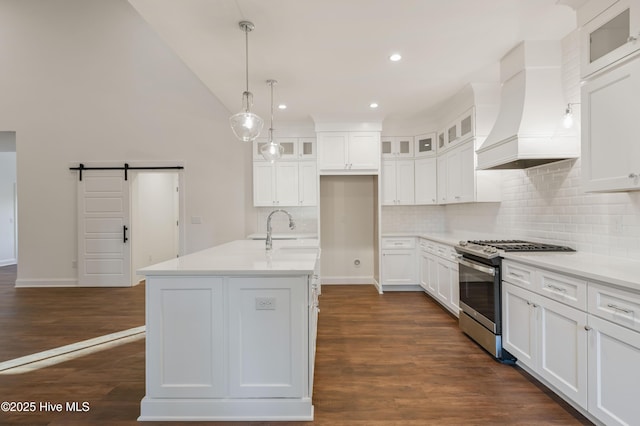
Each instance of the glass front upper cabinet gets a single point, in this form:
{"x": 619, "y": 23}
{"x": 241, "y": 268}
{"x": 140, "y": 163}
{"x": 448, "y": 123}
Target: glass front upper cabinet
{"x": 425, "y": 145}
{"x": 609, "y": 37}
{"x": 397, "y": 146}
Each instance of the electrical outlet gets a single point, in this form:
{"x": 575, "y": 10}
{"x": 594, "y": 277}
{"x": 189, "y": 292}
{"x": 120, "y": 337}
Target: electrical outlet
{"x": 265, "y": 303}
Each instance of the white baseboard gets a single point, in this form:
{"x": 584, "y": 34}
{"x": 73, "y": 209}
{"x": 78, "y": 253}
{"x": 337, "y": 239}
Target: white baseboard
{"x": 48, "y": 282}
{"x": 347, "y": 280}
{"x": 7, "y": 262}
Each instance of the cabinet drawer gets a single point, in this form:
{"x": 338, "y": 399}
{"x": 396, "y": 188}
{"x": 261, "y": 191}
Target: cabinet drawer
{"x": 568, "y": 290}
{"x": 616, "y": 305}
{"x": 446, "y": 252}
{"x": 518, "y": 274}
{"x": 428, "y": 245}
{"x": 398, "y": 243}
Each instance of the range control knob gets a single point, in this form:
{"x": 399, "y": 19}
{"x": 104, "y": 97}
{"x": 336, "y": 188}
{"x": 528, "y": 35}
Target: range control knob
{"x": 463, "y": 243}
{"x": 490, "y": 250}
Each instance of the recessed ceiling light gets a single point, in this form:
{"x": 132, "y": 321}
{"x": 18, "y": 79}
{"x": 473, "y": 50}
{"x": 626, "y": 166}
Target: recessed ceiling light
{"x": 282, "y": 106}
{"x": 395, "y": 57}
{"x": 373, "y": 105}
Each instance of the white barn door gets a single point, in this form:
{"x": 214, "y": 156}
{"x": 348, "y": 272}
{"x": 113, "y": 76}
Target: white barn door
{"x": 104, "y": 252}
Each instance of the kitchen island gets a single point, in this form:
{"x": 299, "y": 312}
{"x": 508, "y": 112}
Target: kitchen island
{"x": 231, "y": 333}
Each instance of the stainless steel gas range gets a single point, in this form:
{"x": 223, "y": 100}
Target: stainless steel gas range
{"x": 480, "y": 279}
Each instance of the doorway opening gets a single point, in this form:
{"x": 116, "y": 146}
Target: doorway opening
{"x": 127, "y": 221}
{"x": 8, "y": 200}
{"x": 155, "y": 219}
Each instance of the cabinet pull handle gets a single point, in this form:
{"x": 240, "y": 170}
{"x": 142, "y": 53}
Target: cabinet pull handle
{"x": 618, "y": 308}
{"x": 633, "y": 175}
{"x": 516, "y": 275}
{"x": 632, "y": 39}
{"x": 556, "y": 288}
{"x": 124, "y": 234}
{"x": 586, "y": 327}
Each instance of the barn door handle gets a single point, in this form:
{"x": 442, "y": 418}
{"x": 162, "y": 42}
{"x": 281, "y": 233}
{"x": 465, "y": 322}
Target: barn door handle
{"x": 124, "y": 234}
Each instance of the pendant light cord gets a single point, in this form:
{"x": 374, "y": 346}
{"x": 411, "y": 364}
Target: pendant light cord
{"x": 271, "y": 83}
{"x": 246, "y": 50}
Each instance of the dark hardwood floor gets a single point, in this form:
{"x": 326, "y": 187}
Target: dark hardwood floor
{"x": 392, "y": 359}
{"x": 37, "y": 319}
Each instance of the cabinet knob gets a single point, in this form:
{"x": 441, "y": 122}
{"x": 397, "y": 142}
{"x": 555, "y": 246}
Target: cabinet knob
{"x": 586, "y": 327}
{"x": 632, "y": 39}
{"x": 633, "y": 175}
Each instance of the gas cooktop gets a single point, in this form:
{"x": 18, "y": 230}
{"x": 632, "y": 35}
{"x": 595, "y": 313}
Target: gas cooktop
{"x": 492, "y": 248}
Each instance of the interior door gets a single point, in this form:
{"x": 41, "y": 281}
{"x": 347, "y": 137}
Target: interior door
{"x": 104, "y": 252}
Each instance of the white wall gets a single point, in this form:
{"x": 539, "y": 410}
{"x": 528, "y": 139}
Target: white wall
{"x": 88, "y": 80}
{"x": 347, "y": 228}
{"x": 7, "y": 199}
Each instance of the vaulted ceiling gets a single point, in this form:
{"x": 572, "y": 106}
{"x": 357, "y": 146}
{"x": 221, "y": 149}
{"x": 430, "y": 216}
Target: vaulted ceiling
{"x": 330, "y": 57}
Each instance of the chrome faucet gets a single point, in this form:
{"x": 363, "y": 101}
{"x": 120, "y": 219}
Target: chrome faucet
{"x": 292, "y": 225}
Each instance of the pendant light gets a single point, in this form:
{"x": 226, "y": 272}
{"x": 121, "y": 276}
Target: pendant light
{"x": 245, "y": 124}
{"x": 271, "y": 151}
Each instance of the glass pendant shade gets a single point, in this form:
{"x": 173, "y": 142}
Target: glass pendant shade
{"x": 272, "y": 151}
{"x": 245, "y": 124}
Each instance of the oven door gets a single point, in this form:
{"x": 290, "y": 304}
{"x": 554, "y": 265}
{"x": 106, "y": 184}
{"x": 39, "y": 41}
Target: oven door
{"x": 480, "y": 293}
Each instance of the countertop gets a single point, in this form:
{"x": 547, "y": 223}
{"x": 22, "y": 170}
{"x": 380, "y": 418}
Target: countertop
{"x": 606, "y": 269}
{"x": 617, "y": 271}
{"x": 281, "y": 236}
{"x": 448, "y": 238}
{"x": 243, "y": 257}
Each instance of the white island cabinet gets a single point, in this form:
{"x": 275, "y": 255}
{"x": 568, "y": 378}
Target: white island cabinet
{"x": 231, "y": 333}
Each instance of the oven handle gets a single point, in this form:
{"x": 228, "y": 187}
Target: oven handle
{"x": 477, "y": 267}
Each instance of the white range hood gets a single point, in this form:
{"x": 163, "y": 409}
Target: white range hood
{"x": 528, "y": 131}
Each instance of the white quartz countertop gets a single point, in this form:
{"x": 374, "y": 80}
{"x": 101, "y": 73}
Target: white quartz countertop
{"x": 606, "y": 269}
{"x": 281, "y": 236}
{"x": 448, "y": 238}
{"x": 243, "y": 257}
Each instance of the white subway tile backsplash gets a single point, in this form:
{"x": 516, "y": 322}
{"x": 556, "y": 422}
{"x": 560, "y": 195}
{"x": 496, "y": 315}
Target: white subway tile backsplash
{"x": 541, "y": 203}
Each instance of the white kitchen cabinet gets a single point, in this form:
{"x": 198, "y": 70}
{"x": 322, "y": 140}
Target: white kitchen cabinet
{"x": 307, "y": 183}
{"x": 614, "y": 357}
{"x": 425, "y": 145}
{"x": 167, "y": 375}
{"x": 397, "y": 146}
{"x": 438, "y": 270}
{"x": 609, "y": 36}
{"x": 614, "y": 354}
{"x": 548, "y": 337}
{"x": 428, "y": 272}
{"x": 398, "y": 182}
{"x": 610, "y": 128}
{"x": 275, "y": 184}
{"x": 285, "y": 184}
{"x": 399, "y": 266}
{"x": 519, "y": 331}
{"x": 458, "y": 180}
{"x": 448, "y": 287}
{"x": 348, "y": 152}
{"x": 459, "y": 174}
{"x": 425, "y": 181}
{"x": 283, "y": 325}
